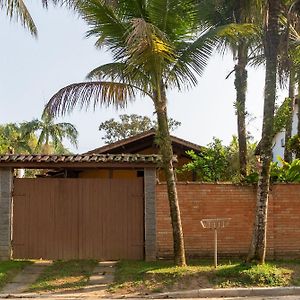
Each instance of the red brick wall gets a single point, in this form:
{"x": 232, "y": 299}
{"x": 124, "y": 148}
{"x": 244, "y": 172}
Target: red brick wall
{"x": 199, "y": 201}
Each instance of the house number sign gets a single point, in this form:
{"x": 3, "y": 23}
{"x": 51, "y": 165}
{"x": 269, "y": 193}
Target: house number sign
{"x": 215, "y": 224}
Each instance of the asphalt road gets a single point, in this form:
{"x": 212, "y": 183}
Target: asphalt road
{"x": 231, "y": 298}
{"x": 259, "y": 298}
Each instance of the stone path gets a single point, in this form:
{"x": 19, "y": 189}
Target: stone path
{"x": 25, "y": 278}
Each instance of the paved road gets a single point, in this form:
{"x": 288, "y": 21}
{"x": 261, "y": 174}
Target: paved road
{"x": 234, "y": 298}
{"x": 259, "y": 298}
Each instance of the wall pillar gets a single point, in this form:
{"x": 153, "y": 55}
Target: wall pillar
{"x": 6, "y": 181}
{"x": 150, "y": 213}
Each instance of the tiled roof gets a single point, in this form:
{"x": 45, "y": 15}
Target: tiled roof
{"x": 80, "y": 158}
{"x": 138, "y": 138}
{"x": 122, "y": 142}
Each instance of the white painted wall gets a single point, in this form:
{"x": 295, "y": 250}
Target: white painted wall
{"x": 20, "y": 173}
{"x": 279, "y": 139}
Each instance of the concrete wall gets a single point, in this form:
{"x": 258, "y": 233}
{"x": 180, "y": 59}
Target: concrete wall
{"x": 5, "y": 213}
{"x": 199, "y": 201}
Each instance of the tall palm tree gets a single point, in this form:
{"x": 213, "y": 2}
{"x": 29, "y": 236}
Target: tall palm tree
{"x": 157, "y": 45}
{"x": 291, "y": 64}
{"x": 246, "y": 11}
{"x": 257, "y": 249}
{"x": 243, "y": 48}
{"x": 50, "y": 134}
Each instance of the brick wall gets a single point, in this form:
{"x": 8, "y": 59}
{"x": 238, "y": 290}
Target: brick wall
{"x": 198, "y": 201}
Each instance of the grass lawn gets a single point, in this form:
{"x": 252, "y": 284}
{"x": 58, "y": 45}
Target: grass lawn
{"x": 8, "y": 269}
{"x": 144, "y": 277}
{"x": 65, "y": 275}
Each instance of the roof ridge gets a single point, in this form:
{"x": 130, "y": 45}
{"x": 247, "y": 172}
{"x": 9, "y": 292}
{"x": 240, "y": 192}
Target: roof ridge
{"x": 123, "y": 141}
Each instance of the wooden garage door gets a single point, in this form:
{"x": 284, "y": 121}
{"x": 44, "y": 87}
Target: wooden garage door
{"x": 78, "y": 218}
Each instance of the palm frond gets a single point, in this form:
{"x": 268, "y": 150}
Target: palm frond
{"x": 40, "y": 141}
{"x": 146, "y": 43}
{"x": 124, "y": 73}
{"x": 174, "y": 17}
{"x": 193, "y": 55}
{"x": 106, "y": 23}
{"x": 93, "y": 93}
{"x": 27, "y": 128}
{"x": 133, "y": 8}
{"x": 16, "y": 9}
{"x": 69, "y": 131}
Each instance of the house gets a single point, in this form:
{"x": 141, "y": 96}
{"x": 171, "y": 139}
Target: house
{"x": 101, "y": 204}
{"x": 140, "y": 144}
{"x": 279, "y": 137}
{"x": 116, "y": 218}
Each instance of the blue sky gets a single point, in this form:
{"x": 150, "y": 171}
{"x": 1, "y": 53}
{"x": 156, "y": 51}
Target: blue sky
{"x": 32, "y": 70}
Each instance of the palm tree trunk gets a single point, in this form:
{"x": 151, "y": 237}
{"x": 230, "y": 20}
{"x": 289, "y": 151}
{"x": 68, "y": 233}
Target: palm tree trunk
{"x": 289, "y": 124}
{"x": 298, "y": 105}
{"x": 241, "y": 88}
{"x": 271, "y": 40}
{"x": 165, "y": 146}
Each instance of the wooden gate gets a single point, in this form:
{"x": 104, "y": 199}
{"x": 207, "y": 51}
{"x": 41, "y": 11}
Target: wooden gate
{"x": 78, "y": 218}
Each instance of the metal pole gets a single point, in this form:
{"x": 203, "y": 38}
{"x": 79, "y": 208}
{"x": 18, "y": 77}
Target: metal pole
{"x": 216, "y": 247}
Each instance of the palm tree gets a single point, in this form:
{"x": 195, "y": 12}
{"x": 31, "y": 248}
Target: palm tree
{"x": 290, "y": 66}
{"x": 13, "y": 139}
{"x": 243, "y": 48}
{"x": 50, "y": 134}
{"x": 257, "y": 249}
{"x": 157, "y": 45}
{"x": 16, "y": 9}
{"x": 243, "y": 12}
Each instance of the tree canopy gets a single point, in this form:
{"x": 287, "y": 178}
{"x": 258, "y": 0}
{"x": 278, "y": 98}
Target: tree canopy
{"x": 130, "y": 125}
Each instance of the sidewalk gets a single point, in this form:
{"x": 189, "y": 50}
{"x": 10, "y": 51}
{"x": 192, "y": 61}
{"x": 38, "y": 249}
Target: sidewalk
{"x": 230, "y": 292}
{"x": 25, "y": 278}
{"x": 201, "y": 293}
{"x": 102, "y": 276}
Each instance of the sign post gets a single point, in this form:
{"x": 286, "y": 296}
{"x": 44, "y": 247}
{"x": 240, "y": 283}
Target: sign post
{"x": 215, "y": 224}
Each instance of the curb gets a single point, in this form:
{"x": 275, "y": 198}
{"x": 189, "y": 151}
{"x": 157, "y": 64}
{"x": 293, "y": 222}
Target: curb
{"x": 200, "y": 293}
{"x": 229, "y": 292}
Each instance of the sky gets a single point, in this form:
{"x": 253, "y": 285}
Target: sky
{"x": 32, "y": 70}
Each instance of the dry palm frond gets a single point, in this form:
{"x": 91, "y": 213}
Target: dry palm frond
{"x": 145, "y": 41}
{"x": 95, "y": 93}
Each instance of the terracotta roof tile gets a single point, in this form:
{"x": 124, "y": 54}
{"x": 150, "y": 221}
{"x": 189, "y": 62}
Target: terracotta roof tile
{"x": 85, "y": 158}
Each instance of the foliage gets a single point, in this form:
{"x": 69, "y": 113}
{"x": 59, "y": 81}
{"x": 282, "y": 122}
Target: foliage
{"x": 61, "y": 275}
{"x": 51, "y": 134}
{"x": 211, "y": 164}
{"x": 14, "y": 139}
{"x": 285, "y": 172}
{"x": 9, "y": 269}
{"x": 130, "y": 125}
{"x": 163, "y": 275}
{"x": 220, "y": 163}
{"x": 282, "y": 113}
{"x": 233, "y": 159}
{"x": 288, "y": 172}
{"x": 252, "y": 178}
{"x": 21, "y": 138}
{"x": 253, "y": 275}
{"x": 294, "y": 145}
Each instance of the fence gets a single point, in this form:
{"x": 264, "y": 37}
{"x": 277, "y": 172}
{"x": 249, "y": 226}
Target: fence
{"x": 198, "y": 201}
